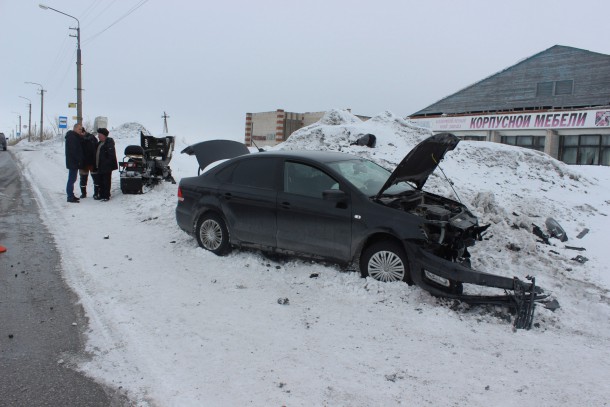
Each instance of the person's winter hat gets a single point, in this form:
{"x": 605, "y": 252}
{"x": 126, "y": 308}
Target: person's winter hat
{"x": 103, "y": 131}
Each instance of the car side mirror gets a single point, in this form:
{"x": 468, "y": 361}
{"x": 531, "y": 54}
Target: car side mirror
{"x": 333, "y": 195}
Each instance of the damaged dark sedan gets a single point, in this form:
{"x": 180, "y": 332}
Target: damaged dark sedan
{"x": 345, "y": 209}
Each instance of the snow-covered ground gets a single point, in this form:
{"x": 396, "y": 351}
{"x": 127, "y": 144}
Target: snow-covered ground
{"x": 174, "y": 325}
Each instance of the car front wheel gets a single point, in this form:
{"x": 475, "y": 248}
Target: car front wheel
{"x": 212, "y": 234}
{"x": 385, "y": 261}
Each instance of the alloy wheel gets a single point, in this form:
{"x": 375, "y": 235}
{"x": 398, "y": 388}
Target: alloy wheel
{"x": 210, "y": 234}
{"x": 386, "y": 266}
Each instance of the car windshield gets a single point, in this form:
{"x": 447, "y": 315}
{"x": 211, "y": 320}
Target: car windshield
{"x": 368, "y": 176}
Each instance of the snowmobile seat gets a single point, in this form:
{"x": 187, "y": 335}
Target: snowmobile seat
{"x": 134, "y": 150}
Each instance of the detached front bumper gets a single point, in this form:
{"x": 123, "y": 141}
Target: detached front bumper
{"x": 444, "y": 278}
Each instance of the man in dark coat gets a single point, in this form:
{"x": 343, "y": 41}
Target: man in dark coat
{"x": 105, "y": 163}
{"x": 89, "y": 144}
{"x": 74, "y": 159}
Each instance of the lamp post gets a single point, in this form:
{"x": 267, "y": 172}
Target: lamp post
{"x": 79, "y": 90}
{"x": 29, "y": 117}
{"x": 42, "y": 91}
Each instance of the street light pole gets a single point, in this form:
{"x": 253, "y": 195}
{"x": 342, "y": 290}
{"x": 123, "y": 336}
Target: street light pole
{"x": 42, "y": 91}
{"x": 79, "y": 89}
{"x": 29, "y": 117}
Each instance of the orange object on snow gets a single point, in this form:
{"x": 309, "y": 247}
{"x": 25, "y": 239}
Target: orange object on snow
{"x": 2, "y": 249}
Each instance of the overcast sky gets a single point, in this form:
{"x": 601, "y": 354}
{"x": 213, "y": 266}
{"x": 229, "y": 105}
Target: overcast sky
{"x": 209, "y": 63}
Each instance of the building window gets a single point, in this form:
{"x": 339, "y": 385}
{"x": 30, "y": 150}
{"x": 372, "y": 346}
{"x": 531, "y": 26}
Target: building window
{"x": 557, "y": 88}
{"x": 544, "y": 89}
{"x": 564, "y": 87}
{"x": 474, "y": 138}
{"x": 532, "y": 142}
{"x": 586, "y": 149}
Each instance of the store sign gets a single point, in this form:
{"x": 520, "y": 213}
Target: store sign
{"x": 548, "y": 120}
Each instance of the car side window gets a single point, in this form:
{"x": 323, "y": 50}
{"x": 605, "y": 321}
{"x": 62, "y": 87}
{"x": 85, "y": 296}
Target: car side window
{"x": 256, "y": 173}
{"x": 302, "y": 179}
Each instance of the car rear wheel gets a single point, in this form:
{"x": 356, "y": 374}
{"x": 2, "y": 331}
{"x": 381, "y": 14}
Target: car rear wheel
{"x": 212, "y": 234}
{"x": 385, "y": 261}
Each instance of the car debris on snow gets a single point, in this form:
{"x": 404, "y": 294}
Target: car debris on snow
{"x": 555, "y": 230}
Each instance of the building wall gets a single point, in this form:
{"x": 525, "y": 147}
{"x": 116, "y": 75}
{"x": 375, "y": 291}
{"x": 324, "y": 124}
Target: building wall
{"x": 312, "y": 117}
{"x": 266, "y": 128}
{"x": 576, "y": 136}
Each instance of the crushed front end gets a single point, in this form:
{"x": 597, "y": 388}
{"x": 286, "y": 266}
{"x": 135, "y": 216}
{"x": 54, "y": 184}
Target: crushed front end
{"x": 440, "y": 261}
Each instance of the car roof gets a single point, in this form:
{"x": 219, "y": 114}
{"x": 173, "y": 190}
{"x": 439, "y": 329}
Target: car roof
{"x": 319, "y": 156}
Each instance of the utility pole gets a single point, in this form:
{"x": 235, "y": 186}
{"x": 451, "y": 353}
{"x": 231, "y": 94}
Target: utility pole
{"x": 42, "y": 91}
{"x": 79, "y": 87}
{"x": 29, "y": 117}
{"x": 165, "y": 117}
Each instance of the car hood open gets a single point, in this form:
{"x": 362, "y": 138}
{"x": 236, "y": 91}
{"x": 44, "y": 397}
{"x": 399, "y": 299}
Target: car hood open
{"x": 211, "y": 151}
{"x": 422, "y": 160}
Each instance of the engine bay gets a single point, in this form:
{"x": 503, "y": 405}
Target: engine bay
{"x": 433, "y": 208}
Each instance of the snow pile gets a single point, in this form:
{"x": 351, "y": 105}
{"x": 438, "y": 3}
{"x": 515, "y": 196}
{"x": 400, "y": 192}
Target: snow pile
{"x": 338, "y": 130}
{"x": 172, "y": 324}
{"x": 129, "y": 130}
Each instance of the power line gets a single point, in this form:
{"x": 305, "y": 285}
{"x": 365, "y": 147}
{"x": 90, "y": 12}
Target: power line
{"x": 89, "y": 9}
{"x": 134, "y": 8}
{"x": 63, "y": 59}
{"x": 63, "y": 79}
{"x": 87, "y": 19}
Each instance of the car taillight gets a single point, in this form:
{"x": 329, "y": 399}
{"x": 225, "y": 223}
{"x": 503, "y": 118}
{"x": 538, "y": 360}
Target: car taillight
{"x": 180, "y": 197}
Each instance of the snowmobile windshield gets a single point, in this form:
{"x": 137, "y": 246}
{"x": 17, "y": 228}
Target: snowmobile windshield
{"x": 368, "y": 177}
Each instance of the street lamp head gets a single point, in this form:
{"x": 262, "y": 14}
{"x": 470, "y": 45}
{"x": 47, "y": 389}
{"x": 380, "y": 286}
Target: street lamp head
{"x": 34, "y": 83}
{"x": 42, "y": 6}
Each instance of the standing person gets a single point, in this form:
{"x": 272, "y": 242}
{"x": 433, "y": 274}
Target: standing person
{"x": 89, "y": 144}
{"x": 105, "y": 163}
{"x": 74, "y": 159}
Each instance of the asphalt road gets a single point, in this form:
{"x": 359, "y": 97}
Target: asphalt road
{"x": 41, "y": 327}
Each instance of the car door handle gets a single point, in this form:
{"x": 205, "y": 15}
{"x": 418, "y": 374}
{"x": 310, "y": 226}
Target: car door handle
{"x": 228, "y": 196}
{"x": 285, "y": 205}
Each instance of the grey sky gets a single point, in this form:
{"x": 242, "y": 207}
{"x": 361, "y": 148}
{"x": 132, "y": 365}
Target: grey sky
{"x": 208, "y": 63}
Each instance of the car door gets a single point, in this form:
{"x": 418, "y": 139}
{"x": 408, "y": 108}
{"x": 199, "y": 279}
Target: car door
{"x": 248, "y": 200}
{"x": 308, "y": 223}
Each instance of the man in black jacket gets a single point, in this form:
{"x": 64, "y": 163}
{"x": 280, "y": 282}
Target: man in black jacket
{"x": 74, "y": 159}
{"x": 105, "y": 163}
{"x": 89, "y": 143}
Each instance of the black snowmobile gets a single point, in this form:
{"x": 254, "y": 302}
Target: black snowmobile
{"x": 146, "y": 164}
